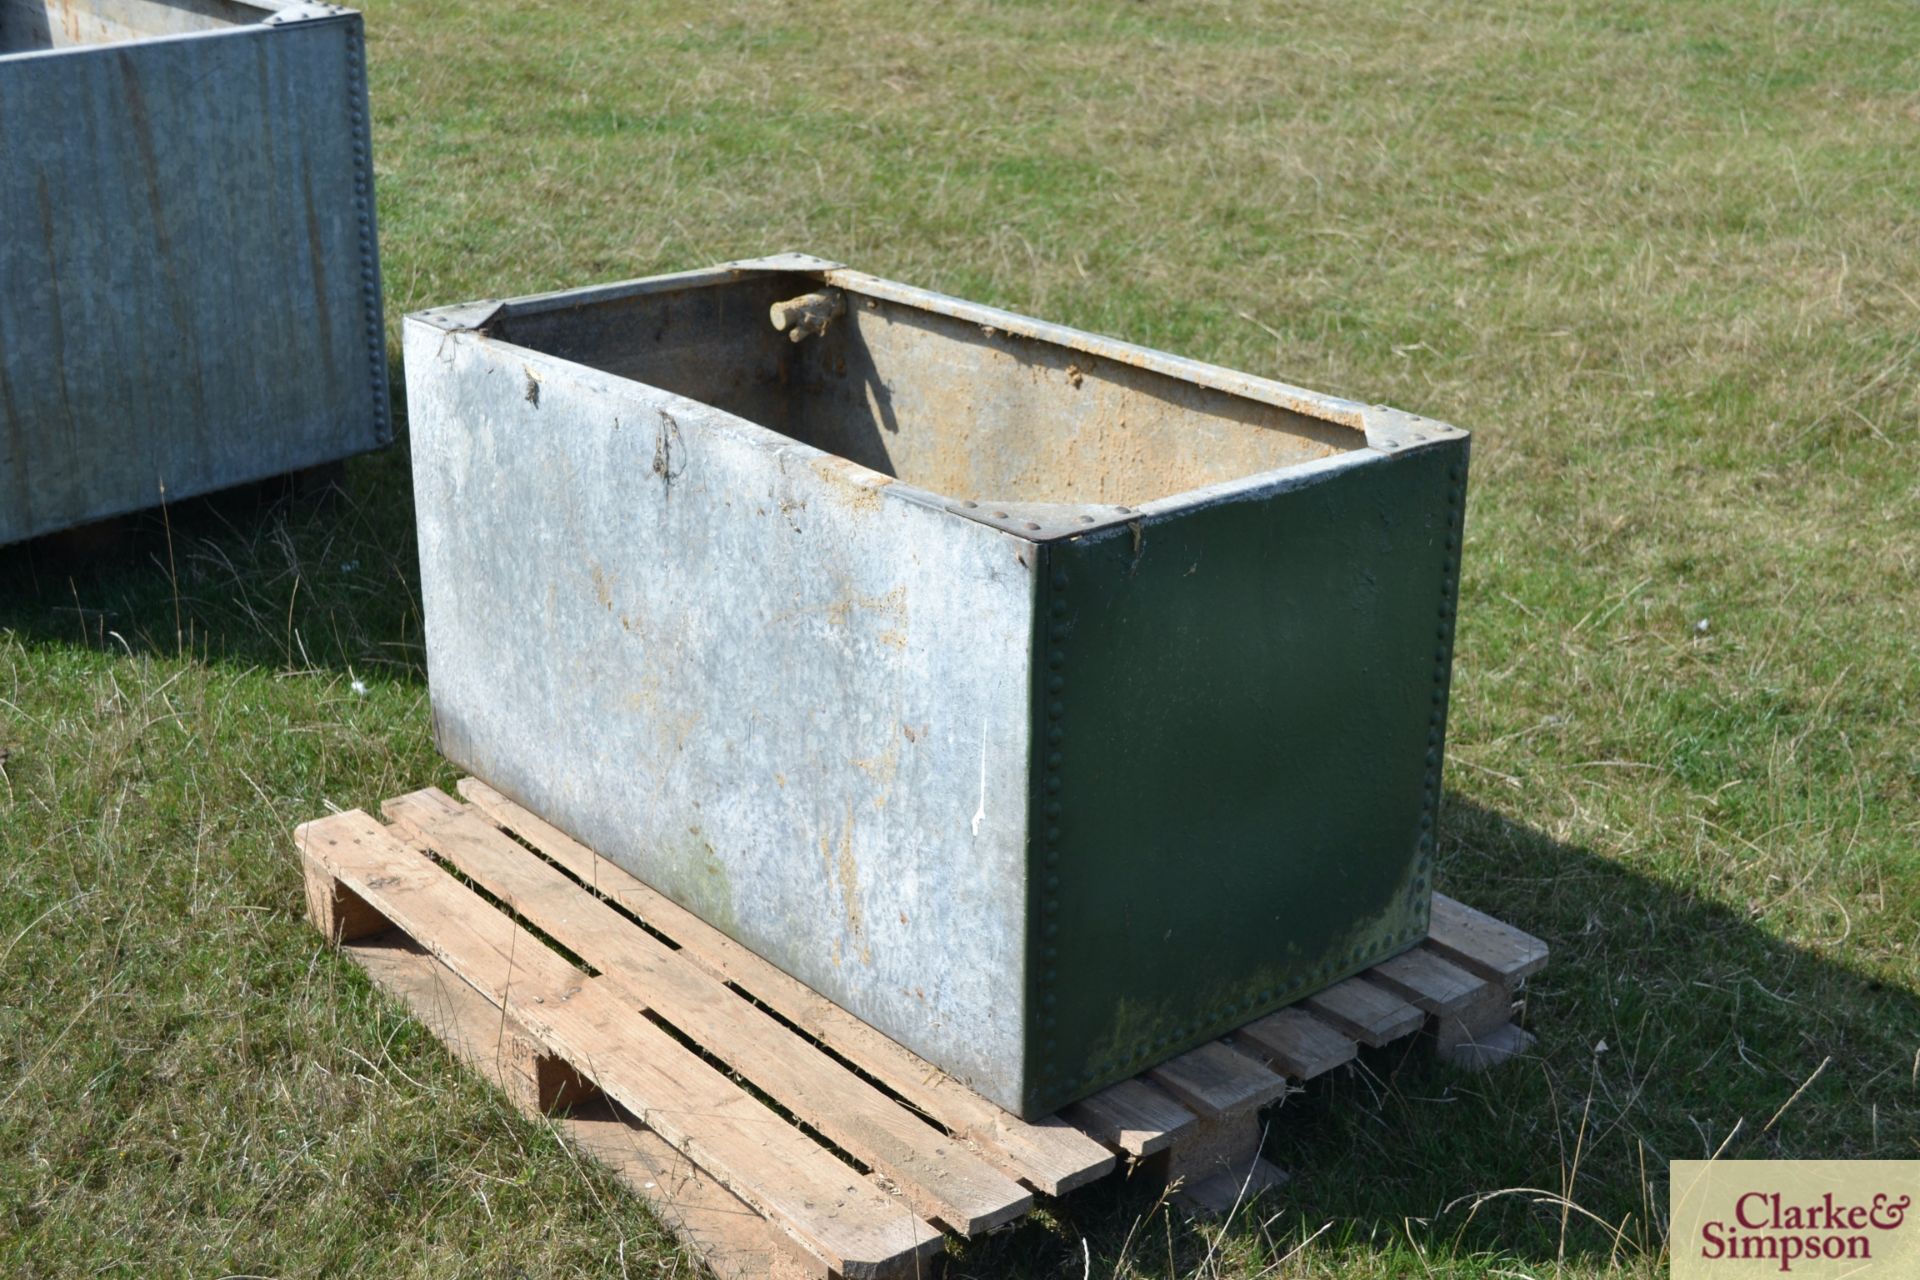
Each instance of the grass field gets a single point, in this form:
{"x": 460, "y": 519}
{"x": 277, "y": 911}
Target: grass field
{"x": 1663, "y": 260}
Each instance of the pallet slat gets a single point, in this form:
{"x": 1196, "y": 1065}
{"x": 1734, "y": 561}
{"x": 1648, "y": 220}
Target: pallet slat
{"x": 1427, "y": 979}
{"x": 1490, "y": 1048}
{"x": 1296, "y": 1043}
{"x": 1370, "y": 1014}
{"x": 1475, "y": 940}
{"x": 1214, "y": 1079}
{"x": 939, "y": 1178}
{"x": 851, "y": 1226}
{"x": 1221, "y": 1194}
{"x": 1048, "y": 1155}
{"x": 1133, "y": 1117}
{"x": 717, "y": 1226}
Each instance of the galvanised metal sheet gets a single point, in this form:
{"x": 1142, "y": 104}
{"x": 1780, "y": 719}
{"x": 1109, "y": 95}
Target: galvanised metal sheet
{"x": 189, "y": 278}
{"x": 1052, "y": 704}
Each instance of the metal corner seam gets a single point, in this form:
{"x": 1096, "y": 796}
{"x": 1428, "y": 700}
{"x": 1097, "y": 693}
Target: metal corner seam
{"x": 375, "y": 318}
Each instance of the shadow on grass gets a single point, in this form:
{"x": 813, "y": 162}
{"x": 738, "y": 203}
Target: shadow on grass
{"x": 297, "y": 574}
{"x": 1670, "y": 1027}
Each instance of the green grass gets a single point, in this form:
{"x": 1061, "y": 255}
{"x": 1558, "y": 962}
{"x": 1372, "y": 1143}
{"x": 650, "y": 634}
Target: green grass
{"x": 1661, "y": 259}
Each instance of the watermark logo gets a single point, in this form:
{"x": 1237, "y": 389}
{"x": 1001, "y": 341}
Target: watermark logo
{"x": 1811, "y": 1219}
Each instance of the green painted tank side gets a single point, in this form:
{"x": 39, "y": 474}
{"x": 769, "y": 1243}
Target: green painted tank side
{"x": 1241, "y": 710}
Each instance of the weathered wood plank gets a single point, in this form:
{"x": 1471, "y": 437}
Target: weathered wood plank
{"x": 1048, "y": 1155}
{"x": 1296, "y": 1043}
{"x": 719, "y": 1228}
{"x": 1426, "y": 979}
{"x": 335, "y": 910}
{"x": 938, "y": 1176}
{"x": 801, "y": 1188}
{"x": 1476, "y": 941}
{"x": 1132, "y": 1116}
{"x": 1486, "y": 1049}
{"x": 1370, "y": 1014}
{"x": 1224, "y": 1193}
{"x": 1213, "y": 1079}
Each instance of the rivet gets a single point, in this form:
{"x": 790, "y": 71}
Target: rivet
{"x": 1433, "y": 737}
{"x": 1053, "y": 930}
{"x": 1086, "y": 519}
{"x": 1050, "y": 954}
{"x": 1053, "y": 808}
{"x": 1051, "y": 977}
{"x": 1438, "y": 696}
{"x": 1053, "y": 857}
{"x": 1053, "y": 784}
{"x": 1032, "y": 527}
{"x": 1049, "y": 1022}
{"x": 1056, "y": 683}
{"x": 1059, "y": 580}
{"x": 970, "y": 505}
{"x": 1053, "y": 760}
{"x": 1056, "y": 733}
{"x": 1056, "y": 659}
{"x": 999, "y": 515}
{"x": 1059, "y": 606}
{"x": 1053, "y": 833}
{"x": 1056, "y": 709}
{"x": 1426, "y": 820}
{"x": 1053, "y": 882}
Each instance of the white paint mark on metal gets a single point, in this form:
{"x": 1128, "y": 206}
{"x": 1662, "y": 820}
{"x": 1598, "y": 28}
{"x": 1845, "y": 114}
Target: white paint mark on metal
{"x": 980, "y": 814}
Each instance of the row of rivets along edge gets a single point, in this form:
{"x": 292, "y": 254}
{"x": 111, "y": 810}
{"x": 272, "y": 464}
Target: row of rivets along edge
{"x": 375, "y": 319}
{"x": 1442, "y": 678}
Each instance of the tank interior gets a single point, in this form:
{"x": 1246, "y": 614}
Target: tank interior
{"x": 947, "y": 405}
{"x": 28, "y": 26}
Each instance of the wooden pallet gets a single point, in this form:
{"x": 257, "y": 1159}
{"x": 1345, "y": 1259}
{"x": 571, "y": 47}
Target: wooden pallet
{"x": 774, "y": 1131}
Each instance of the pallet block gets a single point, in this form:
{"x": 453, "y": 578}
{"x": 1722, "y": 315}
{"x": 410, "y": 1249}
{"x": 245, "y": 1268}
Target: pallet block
{"x": 775, "y": 1132}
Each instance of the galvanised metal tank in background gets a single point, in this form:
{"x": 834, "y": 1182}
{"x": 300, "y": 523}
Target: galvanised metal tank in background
{"x": 189, "y": 280}
{"x": 1050, "y": 703}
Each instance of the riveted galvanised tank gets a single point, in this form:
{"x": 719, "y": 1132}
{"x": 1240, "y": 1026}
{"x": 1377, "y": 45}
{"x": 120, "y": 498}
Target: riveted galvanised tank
{"x": 189, "y": 282}
{"x": 1050, "y": 703}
